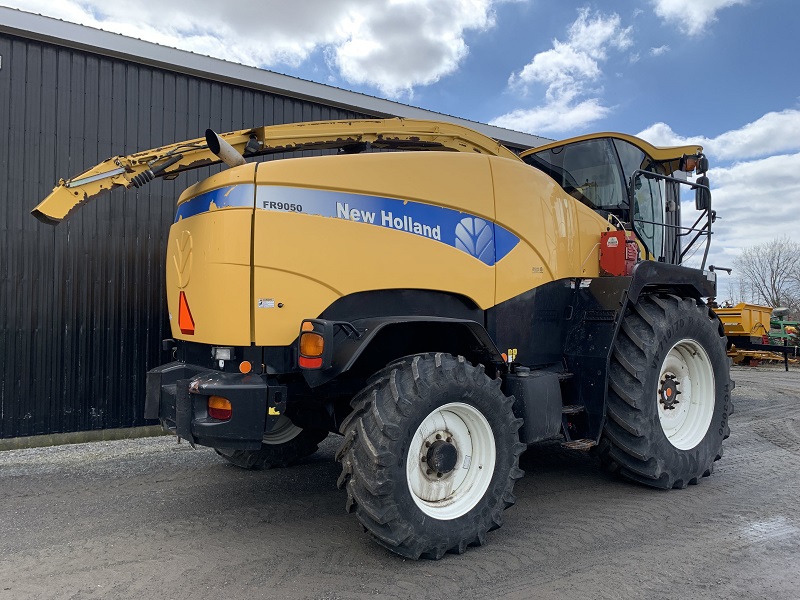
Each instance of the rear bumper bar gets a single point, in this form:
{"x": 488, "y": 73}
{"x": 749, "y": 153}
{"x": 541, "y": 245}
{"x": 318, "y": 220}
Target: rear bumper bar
{"x": 177, "y": 395}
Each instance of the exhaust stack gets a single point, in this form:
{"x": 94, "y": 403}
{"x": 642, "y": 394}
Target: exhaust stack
{"x": 223, "y": 149}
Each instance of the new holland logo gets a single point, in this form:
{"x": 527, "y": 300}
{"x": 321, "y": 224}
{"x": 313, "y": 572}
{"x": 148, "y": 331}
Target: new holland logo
{"x": 476, "y": 237}
{"x": 480, "y": 238}
{"x": 182, "y": 258}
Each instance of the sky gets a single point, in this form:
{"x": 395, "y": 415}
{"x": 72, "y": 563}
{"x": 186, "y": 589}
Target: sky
{"x": 722, "y": 73}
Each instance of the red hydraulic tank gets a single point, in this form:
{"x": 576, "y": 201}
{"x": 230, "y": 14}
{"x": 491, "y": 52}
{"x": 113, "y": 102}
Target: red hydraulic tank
{"x": 619, "y": 252}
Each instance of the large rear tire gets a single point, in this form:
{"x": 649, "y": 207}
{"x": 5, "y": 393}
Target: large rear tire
{"x": 283, "y": 446}
{"x": 669, "y": 393}
{"x": 430, "y": 456}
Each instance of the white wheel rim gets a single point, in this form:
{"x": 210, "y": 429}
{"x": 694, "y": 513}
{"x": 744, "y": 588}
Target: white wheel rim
{"x": 284, "y": 431}
{"x": 457, "y": 492}
{"x": 685, "y": 421}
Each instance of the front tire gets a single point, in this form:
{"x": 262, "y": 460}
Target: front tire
{"x": 669, "y": 393}
{"x": 283, "y": 446}
{"x": 430, "y": 456}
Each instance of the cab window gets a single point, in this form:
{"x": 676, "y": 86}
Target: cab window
{"x": 631, "y": 157}
{"x": 588, "y": 171}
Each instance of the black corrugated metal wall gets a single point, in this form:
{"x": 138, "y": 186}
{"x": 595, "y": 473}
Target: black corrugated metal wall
{"x": 82, "y": 309}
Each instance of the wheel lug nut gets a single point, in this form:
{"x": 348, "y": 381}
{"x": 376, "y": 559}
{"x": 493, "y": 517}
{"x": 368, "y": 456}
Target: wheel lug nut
{"x": 438, "y": 436}
{"x": 427, "y": 444}
{"x": 449, "y": 439}
{"x": 428, "y": 472}
{"x": 438, "y": 474}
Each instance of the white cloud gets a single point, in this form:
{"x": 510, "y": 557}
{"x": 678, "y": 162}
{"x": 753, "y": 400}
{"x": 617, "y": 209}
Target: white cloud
{"x": 692, "y": 16}
{"x": 568, "y": 70}
{"x": 553, "y": 117}
{"x": 393, "y": 45}
{"x": 399, "y": 45}
{"x": 266, "y": 33}
{"x": 754, "y": 203}
{"x": 567, "y": 65}
{"x": 774, "y": 133}
{"x": 755, "y": 181}
{"x": 659, "y": 51}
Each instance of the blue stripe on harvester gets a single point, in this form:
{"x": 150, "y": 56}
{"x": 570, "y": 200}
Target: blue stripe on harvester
{"x": 478, "y": 237}
{"x": 233, "y": 195}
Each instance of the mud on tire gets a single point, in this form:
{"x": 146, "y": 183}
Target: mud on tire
{"x": 430, "y": 456}
{"x": 283, "y": 446}
{"x": 669, "y": 393}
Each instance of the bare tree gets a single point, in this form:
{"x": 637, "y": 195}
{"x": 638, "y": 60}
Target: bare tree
{"x": 769, "y": 273}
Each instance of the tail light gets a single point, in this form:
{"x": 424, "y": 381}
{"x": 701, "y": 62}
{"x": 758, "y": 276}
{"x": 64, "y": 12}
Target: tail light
{"x": 219, "y": 408}
{"x": 315, "y": 344}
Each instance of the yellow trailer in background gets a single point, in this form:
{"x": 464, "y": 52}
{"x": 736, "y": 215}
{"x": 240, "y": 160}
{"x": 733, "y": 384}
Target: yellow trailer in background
{"x": 745, "y": 320}
{"x": 747, "y": 329}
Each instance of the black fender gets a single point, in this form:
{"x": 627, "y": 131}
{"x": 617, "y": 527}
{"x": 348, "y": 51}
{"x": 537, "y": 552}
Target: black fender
{"x": 651, "y": 276}
{"x": 355, "y": 347}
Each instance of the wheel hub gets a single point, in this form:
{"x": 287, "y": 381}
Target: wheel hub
{"x": 668, "y": 392}
{"x": 441, "y": 457}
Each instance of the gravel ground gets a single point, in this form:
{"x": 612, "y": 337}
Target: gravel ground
{"x": 151, "y": 518}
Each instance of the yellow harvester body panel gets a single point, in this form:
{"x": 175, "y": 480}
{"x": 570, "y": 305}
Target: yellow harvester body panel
{"x": 559, "y": 237}
{"x": 329, "y": 226}
{"x": 208, "y": 258}
{"x": 305, "y": 262}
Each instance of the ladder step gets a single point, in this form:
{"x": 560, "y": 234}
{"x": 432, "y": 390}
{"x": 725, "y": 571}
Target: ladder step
{"x": 572, "y": 409}
{"x": 579, "y": 444}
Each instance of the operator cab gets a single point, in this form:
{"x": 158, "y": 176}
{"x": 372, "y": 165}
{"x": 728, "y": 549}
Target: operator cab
{"x": 631, "y": 183}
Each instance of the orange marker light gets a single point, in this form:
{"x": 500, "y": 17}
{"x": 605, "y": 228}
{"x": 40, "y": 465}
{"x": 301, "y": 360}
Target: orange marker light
{"x": 219, "y": 408}
{"x": 689, "y": 164}
{"x": 185, "y": 320}
{"x": 245, "y": 366}
{"x": 307, "y": 326}
{"x": 311, "y": 344}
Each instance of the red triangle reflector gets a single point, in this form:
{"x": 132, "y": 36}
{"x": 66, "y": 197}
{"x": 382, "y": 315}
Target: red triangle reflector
{"x": 185, "y": 320}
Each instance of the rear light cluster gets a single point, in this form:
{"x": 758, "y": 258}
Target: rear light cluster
{"x": 315, "y": 345}
{"x": 219, "y": 408}
{"x": 312, "y": 347}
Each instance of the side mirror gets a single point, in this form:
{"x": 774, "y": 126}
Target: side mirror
{"x": 702, "y": 195}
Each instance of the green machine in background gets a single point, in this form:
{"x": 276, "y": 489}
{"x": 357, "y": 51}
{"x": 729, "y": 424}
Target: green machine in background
{"x": 781, "y": 330}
